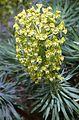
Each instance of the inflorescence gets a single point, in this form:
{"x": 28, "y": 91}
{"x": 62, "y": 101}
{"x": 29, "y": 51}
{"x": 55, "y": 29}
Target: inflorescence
{"x": 39, "y": 35}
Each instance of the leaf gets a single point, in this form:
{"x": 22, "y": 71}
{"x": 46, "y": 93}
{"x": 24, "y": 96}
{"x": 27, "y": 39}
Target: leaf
{"x": 53, "y": 114}
{"x": 45, "y": 105}
{"x": 46, "y": 113}
{"x": 70, "y": 94}
{"x": 63, "y": 108}
{"x": 14, "y": 112}
{"x": 57, "y": 113}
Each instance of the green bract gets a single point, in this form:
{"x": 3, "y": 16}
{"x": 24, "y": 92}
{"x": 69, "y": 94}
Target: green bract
{"x": 39, "y": 34}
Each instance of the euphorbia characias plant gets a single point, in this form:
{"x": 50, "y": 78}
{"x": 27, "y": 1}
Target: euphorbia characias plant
{"x": 39, "y": 35}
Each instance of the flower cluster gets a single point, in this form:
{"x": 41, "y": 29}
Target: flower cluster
{"x": 39, "y": 35}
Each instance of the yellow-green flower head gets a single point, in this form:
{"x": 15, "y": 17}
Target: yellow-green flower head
{"x": 39, "y": 35}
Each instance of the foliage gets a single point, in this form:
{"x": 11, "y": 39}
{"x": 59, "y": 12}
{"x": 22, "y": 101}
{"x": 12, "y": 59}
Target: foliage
{"x": 38, "y": 39}
{"x": 8, "y": 61}
{"x": 71, "y": 47}
{"x": 70, "y": 13}
{"x": 8, "y": 97}
{"x": 71, "y": 53}
{"x": 56, "y": 100}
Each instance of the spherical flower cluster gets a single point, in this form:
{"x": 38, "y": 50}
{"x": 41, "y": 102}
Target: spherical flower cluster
{"x": 39, "y": 35}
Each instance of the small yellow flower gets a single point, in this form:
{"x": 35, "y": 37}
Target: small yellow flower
{"x": 32, "y": 61}
{"x": 51, "y": 79}
{"x": 35, "y": 54}
{"x": 65, "y": 31}
{"x": 62, "y": 58}
{"x": 61, "y": 25}
{"x": 44, "y": 10}
{"x": 35, "y": 68}
{"x": 23, "y": 13}
{"x": 57, "y": 13}
{"x": 52, "y": 25}
{"x": 43, "y": 68}
{"x": 47, "y": 71}
{"x": 62, "y": 40}
{"x": 48, "y": 43}
{"x": 39, "y": 5}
